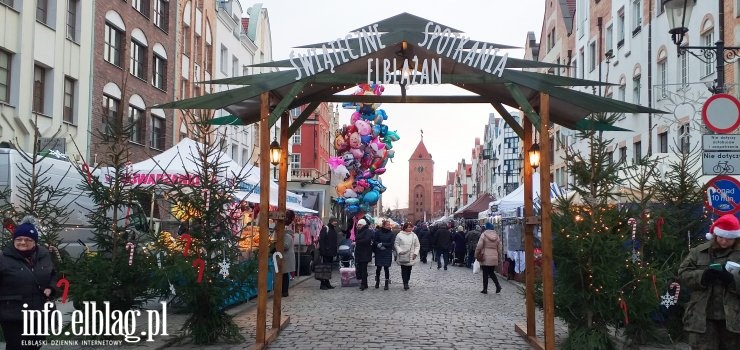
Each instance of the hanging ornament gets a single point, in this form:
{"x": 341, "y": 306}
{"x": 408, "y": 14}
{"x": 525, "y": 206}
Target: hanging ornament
{"x": 623, "y": 306}
{"x": 659, "y": 227}
{"x": 655, "y": 287}
{"x": 201, "y": 265}
{"x": 224, "y": 265}
{"x": 130, "y": 248}
{"x": 86, "y": 170}
{"x": 172, "y": 289}
{"x": 65, "y": 292}
{"x": 669, "y": 300}
{"x": 159, "y": 259}
{"x": 635, "y": 254}
{"x": 207, "y": 198}
{"x": 188, "y": 241}
{"x": 55, "y": 250}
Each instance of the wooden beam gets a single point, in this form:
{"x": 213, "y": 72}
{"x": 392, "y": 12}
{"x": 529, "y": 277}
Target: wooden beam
{"x": 285, "y": 102}
{"x": 532, "y": 340}
{"x": 521, "y": 100}
{"x": 280, "y": 224}
{"x": 302, "y": 118}
{"x": 546, "y": 208}
{"x": 400, "y": 99}
{"x": 264, "y": 235}
{"x": 272, "y": 334}
{"x": 509, "y": 119}
{"x": 528, "y": 234}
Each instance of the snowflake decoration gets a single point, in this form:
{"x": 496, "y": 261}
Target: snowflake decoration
{"x": 635, "y": 256}
{"x": 224, "y": 265}
{"x": 172, "y": 289}
{"x": 668, "y": 300}
{"x": 57, "y": 154}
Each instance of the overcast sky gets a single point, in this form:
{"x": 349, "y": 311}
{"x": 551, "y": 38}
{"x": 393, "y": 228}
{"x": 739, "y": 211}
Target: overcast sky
{"x": 449, "y": 129}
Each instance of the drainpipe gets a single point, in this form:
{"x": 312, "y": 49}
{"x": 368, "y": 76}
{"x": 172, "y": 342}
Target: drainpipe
{"x": 650, "y": 77}
{"x": 600, "y": 24}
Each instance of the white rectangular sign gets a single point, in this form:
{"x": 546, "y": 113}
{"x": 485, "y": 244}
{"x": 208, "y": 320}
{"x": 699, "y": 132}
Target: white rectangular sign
{"x": 720, "y": 142}
{"x": 721, "y": 163}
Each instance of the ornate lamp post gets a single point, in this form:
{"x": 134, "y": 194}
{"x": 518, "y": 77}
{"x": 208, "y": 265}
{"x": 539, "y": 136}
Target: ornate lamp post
{"x": 679, "y": 14}
{"x": 275, "y": 151}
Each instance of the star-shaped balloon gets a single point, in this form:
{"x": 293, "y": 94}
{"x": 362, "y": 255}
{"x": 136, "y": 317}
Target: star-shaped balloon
{"x": 334, "y": 162}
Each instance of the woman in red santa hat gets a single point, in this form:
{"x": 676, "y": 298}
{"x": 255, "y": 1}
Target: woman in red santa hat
{"x": 712, "y": 315}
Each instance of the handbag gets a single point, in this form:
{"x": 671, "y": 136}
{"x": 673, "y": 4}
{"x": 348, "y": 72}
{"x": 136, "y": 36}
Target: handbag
{"x": 476, "y": 267}
{"x": 322, "y": 271}
{"x": 404, "y": 258}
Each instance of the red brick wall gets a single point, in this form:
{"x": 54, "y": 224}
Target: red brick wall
{"x": 104, "y": 72}
{"x": 420, "y": 183}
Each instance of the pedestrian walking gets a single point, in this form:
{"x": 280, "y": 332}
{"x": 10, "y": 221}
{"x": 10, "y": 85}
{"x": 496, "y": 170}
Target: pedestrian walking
{"x": 328, "y": 247}
{"x": 383, "y": 247}
{"x": 487, "y": 252}
{"x": 460, "y": 248}
{"x": 407, "y": 246}
{"x": 711, "y": 318}
{"x": 422, "y": 232}
{"x": 363, "y": 250}
{"x": 27, "y": 281}
{"x": 442, "y": 243}
{"x": 288, "y": 252}
{"x": 471, "y": 240}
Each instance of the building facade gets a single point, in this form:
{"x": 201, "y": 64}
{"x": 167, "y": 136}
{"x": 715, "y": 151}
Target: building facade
{"x": 45, "y": 74}
{"x": 312, "y": 145}
{"x": 421, "y": 175}
{"x": 134, "y": 64}
{"x": 438, "y": 201}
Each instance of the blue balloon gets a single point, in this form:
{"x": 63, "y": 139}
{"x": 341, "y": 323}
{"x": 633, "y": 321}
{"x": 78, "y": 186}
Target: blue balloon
{"x": 366, "y": 139}
{"x": 352, "y": 201}
{"x": 352, "y": 209}
{"x": 339, "y": 200}
{"x": 367, "y": 112}
{"x": 371, "y": 197}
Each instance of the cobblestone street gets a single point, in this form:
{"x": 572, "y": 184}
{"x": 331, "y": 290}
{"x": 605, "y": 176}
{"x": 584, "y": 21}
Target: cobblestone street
{"x": 442, "y": 310}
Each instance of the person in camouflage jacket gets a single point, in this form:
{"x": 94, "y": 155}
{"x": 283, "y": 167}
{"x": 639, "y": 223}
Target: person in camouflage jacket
{"x": 712, "y": 315}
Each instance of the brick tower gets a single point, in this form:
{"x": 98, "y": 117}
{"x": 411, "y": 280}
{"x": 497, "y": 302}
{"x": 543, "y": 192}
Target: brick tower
{"x": 421, "y": 176}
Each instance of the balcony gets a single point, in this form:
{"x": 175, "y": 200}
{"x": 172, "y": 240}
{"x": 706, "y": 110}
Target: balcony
{"x": 309, "y": 175}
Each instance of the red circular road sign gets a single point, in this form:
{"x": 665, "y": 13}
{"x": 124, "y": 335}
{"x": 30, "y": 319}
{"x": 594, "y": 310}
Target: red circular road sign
{"x": 721, "y": 113}
{"x": 723, "y": 195}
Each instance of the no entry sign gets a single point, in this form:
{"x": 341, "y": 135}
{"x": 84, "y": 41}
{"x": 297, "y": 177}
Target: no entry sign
{"x": 723, "y": 195}
{"x": 721, "y": 113}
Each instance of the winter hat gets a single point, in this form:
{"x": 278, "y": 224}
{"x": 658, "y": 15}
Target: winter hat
{"x": 27, "y": 229}
{"x": 460, "y": 228}
{"x": 361, "y": 222}
{"x": 727, "y": 226}
{"x": 489, "y": 226}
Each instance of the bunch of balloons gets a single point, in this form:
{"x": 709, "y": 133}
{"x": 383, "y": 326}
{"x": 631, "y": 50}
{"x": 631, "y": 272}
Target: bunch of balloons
{"x": 363, "y": 147}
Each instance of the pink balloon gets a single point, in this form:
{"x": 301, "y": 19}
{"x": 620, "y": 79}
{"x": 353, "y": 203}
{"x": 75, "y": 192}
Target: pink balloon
{"x": 355, "y": 117}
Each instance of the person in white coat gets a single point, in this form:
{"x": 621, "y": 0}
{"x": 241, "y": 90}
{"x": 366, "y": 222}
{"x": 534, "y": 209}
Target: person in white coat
{"x": 407, "y": 246}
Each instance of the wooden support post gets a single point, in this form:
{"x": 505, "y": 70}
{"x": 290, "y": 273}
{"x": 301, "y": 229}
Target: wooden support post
{"x": 546, "y": 206}
{"x": 264, "y": 235}
{"x": 528, "y": 233}
{"x": 280, "y": 225}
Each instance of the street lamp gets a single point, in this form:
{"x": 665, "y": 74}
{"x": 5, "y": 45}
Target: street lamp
{"x": 679, "y": 14}
{"x": 534, "y": 155}
{"x": 275, "y": 152}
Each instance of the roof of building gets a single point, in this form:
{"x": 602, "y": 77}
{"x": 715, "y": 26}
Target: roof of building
{"x": 420, "y": 153}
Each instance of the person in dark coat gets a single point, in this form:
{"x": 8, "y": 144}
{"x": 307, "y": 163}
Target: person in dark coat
{"x": 363, "y": 251}
{"x": 471, "y": 240}
{"x": 27, "y": 276}
{"x": 422, "y": 232}
{"x": 383, "y": 246}
{"x": 459, "y": 242}
{"x": 328, "y": 246}
{"x": 442, "y": 242}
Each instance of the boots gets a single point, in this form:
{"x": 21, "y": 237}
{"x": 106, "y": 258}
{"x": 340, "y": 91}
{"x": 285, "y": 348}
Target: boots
{"x": 323, "y": 285}
{"x": 386, "y": 284}
{"x": 405, "y": 286}
{"x": 498, "y": 288}
{"x": 328, "y": 285}
{"x": 377, "y": 281}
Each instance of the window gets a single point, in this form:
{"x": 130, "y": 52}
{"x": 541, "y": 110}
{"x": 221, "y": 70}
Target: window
{"x": 592, "y": 56}
{"x": 610, "y": 157}
{"x": 112, "y": 49}
{"x": 297, "y": 137}
{"x": 636, "y": 16}
{"x": 224, "y": 59}
{"x": 582, "y": 63}
{"x": 136, "y": 124}
{"x": 111, "y": 105}
{"x": 684, "y": 133}
{"x": 7, "y": 2}
{"x": 234, "y": 66}
{"x": 608, "y": 39}
{"x": 197, "y": 52}
{"x": 138, "y": 60}
{"x": 637, "y": 149}
{"x": 622, "y": 91}
{"x": 159, "y": 73}
{"x": 39, "y": 87}
{"x": 636, "y": 89}
{"x": 707, "y": 39}
{"x": 662, "y": 93}
{"x": 72, "y": 8}
{"x": 42, "y": 10}
{"x": 208, "y": 57}
{"x": 295, "y": 161}
{"x": 620, "y": 29}
{"x": 622, "y": 154}
{"x": 663, "y": 142}
{"x": 69, "y": 100}
{"x": 142, "y": 6}
{"x": 684, "y": 70}
{"x": 186, "y": 40}
{"x": 161, "y": 14}
{"x": 5, "y": 60}
{"x": 158, "y": 132}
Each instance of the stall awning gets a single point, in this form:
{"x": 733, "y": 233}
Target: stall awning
{"x": 471, "y": 210}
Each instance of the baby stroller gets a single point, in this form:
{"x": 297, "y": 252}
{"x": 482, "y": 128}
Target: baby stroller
{"x": 346, "y": 252}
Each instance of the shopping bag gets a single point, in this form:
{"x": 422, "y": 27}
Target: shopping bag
{"x": 476, "y": 266}
{"x": 322, "y": 271}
